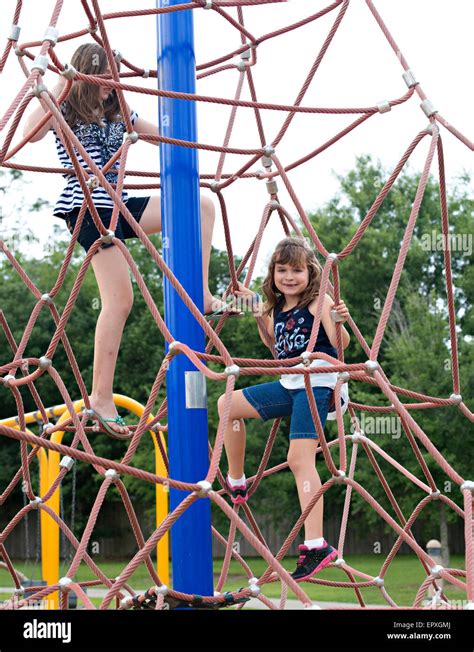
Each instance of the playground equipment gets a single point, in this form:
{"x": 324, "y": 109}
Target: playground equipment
{"x": 50, "y": 467}
{"x": 186, "y": 491}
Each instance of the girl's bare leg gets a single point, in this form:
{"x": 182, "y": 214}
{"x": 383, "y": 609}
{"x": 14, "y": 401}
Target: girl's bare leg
{"x": 302, "y": 461}
{"x": 112, "y": 274}
{"x": 234, "y": 437}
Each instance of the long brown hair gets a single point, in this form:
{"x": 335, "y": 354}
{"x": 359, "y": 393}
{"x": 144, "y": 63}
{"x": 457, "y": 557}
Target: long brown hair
{"x": 295, "y": 252}
{"x": 83, "y": 103}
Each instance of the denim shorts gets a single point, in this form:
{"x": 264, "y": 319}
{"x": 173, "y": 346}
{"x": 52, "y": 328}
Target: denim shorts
{"x": 89, "y": 233}
{"x": 272, "y": 400}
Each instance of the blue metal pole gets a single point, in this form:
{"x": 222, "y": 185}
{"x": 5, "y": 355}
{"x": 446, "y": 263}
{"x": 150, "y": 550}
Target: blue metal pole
{"x": 191, "y": 539}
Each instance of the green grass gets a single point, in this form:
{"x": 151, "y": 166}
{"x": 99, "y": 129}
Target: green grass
{"x": 402, "y": 580}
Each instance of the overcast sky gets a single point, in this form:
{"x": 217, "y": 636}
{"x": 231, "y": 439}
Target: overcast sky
{"x": 360, "y": 69}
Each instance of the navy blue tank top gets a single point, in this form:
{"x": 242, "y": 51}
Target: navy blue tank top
{"x": 292, "y": 330}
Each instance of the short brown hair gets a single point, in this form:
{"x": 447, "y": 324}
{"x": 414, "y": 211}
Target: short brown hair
{"x": 292, "y": 251}
{"x": 83, "y": 103}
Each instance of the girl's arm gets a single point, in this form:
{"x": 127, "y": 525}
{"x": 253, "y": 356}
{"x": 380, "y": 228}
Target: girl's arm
{"x": 142, "y": 126}
{"x": 328, "y": 322}
{"x": 264, "y": 322}
{"x": 39, "y": 113}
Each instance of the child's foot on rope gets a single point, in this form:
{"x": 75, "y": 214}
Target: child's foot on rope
{"x": 238, "y": 493}
{"x": 110, "y": 421}
{"x": 312, "y": 560}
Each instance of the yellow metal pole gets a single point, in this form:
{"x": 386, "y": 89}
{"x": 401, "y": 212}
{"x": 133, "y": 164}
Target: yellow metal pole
{"x": 50, "y": 539}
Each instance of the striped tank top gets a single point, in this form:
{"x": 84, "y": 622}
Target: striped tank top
{"x": 101, "y": 143}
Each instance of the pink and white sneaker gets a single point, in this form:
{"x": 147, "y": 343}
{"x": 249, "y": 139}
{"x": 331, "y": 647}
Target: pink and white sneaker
{"x": 312, "y": 560}
{"x": 238, "y": 495}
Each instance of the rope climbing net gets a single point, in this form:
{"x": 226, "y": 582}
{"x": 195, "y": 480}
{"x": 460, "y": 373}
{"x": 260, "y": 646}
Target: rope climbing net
{"x": 18, "y": 370}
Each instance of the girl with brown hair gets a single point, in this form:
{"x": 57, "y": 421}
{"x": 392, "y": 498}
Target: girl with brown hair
{"x": 93, "y": 113}
{"x": 291, "y": 288}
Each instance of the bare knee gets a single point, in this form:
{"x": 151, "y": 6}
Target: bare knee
{"x": 120, "y": 304}
{"x": 299, "y": 463}
{"x": 207, "y": 209}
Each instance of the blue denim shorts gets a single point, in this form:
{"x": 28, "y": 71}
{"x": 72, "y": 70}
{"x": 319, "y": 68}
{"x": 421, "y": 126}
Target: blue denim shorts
{"x": 272, "y": 400}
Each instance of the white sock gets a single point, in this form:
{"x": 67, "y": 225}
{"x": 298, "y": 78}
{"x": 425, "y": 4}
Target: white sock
{"x": 315, "y": 543}
{"x": 236, "y": 483}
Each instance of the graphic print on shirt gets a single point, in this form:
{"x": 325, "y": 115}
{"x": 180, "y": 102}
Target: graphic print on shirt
{"x": 291, "y": 337}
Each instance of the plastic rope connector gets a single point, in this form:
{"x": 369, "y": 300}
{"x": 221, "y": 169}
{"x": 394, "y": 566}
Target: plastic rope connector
{"x": 44, "y": 362}
{"x": 332, "y": 257}
{"x": 232, "y": 370}
{"x": 384, "y": 106}
{"x": 468, "y": 485}
{"x": 14, "y": 33}
{"x": 92, "y": 182}
{"x": 112, "y": 473}
{"x": 457, "y": 398}
{"x": 132, "y": 136}
{"x": 272, "y": 187}
{"x": 39, "y": 89}
{"x": 41, "y": 63}
{"x": 108, "y": 237}
{"x": 207, "y": 4}
{"x": 66, "y": 462}
{"x": 371, "y": 367}
{"x": 69, "y": 71}
{"x": 428, "y": 108}
{"x": 51, "y": 35}
{"x": 205, "y": 488}
{"x": 410, "y": 79}
{"x": 47, "y": 298}
{"x": 64, "y": 583}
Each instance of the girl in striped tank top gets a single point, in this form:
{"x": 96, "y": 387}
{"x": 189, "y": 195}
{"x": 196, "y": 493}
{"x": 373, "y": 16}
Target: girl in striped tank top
{"x": 93, "y": 114}
{"x": 292, "y": 290}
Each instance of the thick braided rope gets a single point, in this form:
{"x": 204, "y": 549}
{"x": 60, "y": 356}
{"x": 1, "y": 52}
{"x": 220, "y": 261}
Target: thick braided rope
{"x": 77, "y": 424}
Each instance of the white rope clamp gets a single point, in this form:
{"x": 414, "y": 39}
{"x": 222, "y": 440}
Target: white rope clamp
{"x": 207, "y": 4}
{"x": 92, "y": 182}
{"x": 469, "y": 485}
{"x": 112, "y": 473}
{"x": 205, "y": 488}
{"x": 41, "y": 63}
{"x": 457, "y": 398}
{"x": 384, "y": 106}
{"x": 51, "y": 35}
{"x": 410, "y": 79}
{"x": 47, "y": 298}
{"x": 372, "y": 366}
{"x": 428, "y": 108}
{"x": 146, "y": 73}
{"x": 44, "y": 362}
{"x": 69, "y": 71}
{"x": 38, "y": 89}
{"x": 272, "y": 187}
{"x": 232, "y": 370}
{"x": 108, "y": 237}
{"x": 64, "y": 583}
{"x": 118, "y": 56}
{"x": 14, "y": 33}
{"x": 133, "y": 136}
{"x": 66, "y": 462}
